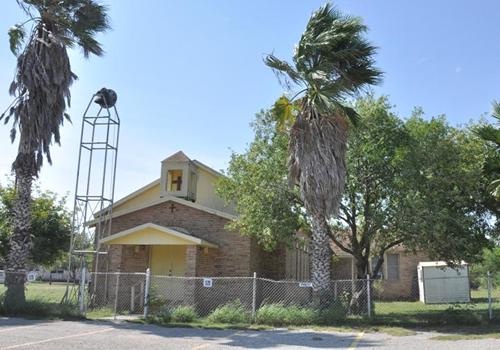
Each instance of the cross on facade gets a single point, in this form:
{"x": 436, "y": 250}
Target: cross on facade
{"x": 172, "y": 207}
{"x": 177, "y": 182}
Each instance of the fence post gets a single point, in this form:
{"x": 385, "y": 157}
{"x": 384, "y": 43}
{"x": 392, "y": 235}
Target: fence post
{"x": 146, "y": 292}
{"x": 254, "y": 295}
{"x": 132, "y": 299}
{"x": 368, "y": 295}
{"x": 116, "y": 292}
{"x": 81, "y": 295}
{"x": 490, "y": 309}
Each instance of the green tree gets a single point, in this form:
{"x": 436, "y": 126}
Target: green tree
{"x": 332, "y": 61}
{"x": 256, "y": 182}
{"x": 50, "y": 226}
{"x": 41, "y": 90}
{"x": 490, "y": 262}
{"x": 417, "y": 182}
{"x": 491, "y": 134}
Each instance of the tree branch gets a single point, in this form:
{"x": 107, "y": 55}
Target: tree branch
{"x": 337, "y": 242}
{"x": 381, "y": 256}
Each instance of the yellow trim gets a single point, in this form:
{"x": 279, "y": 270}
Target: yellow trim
{"x": 152, "y": 234}
{"x": 207, "y": 168}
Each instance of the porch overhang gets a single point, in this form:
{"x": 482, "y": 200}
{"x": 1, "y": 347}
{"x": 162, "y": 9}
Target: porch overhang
{"x": 153, "y": 234}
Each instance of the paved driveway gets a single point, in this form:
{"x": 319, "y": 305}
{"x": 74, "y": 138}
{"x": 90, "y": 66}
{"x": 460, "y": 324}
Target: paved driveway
{"x": 57, "y": 335}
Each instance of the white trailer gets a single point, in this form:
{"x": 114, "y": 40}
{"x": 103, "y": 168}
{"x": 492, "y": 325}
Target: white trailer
{"x": 439, "y": 284}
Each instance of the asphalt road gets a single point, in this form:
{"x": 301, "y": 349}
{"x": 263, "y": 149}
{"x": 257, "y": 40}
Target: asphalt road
{"x": 58, "y": 335}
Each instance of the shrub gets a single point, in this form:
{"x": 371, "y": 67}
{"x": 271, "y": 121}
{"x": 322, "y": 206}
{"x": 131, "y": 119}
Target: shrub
{"x": 281, "y": 315}
{"x": 233, "y": 312}
{"x": 41, "y": 309}
{"x": 164, "y": 315}
{"x": 184, "y": 314}
{"x": 333, "y": 314}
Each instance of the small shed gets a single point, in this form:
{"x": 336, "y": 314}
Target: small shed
{"x": 438, "y": 283}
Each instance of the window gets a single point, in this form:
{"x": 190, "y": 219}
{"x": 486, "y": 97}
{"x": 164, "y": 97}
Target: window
{"x": 380, "y": 273}
{"x": 392, "y": 266}
{"x": 174, "y": 181}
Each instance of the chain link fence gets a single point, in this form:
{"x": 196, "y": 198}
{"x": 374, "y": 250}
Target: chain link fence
{"x": 144, "y": 294}
{"x": 449, "y": 300}
{"x": 115, "y": 292}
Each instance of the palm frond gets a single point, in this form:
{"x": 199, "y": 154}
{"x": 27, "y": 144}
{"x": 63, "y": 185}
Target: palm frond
{"x": 496, "y": 109}
{"x": 489, "y": 133}
{"x": 283, "y": 70}
{"x": 41, "y": 87}
{"x": 284, "y": 111}
{"x": 16, "y": 38}
{"x": 349, "y": 113}
{"x": 333, "y": 61}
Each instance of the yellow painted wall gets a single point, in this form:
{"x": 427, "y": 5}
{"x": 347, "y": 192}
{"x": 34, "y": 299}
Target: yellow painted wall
{"x": 147, "y": 196}
{"x": 168, "y": 260}
{"x": 149, "y": 236}
{"x": 205, "y": 192}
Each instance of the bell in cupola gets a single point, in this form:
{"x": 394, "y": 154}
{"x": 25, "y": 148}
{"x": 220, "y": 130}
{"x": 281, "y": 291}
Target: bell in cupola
{"x": 106, "y": 98}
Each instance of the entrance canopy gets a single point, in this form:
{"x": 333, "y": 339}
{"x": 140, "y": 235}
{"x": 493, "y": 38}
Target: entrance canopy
{"x": 153, "y": 234}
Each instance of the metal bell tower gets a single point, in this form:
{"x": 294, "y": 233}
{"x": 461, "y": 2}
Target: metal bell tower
{"x": 95, "y": 186}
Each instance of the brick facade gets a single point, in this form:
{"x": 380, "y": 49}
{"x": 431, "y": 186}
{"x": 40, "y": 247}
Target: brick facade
{"x": 406, "y": 287}
{"x": 236, "y": 255}
{"x": 403, "y": 288}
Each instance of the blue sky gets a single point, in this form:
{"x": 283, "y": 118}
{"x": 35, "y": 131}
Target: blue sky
{"x": 189, "y": 74}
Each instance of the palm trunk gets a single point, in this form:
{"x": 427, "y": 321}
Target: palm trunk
{"x": 19, "y": 242}
{"x": 321, "y": 257}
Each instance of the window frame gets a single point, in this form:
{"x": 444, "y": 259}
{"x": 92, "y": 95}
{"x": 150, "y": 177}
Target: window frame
{"x": 397, "y": 266}
{"x": 170, "y": 180}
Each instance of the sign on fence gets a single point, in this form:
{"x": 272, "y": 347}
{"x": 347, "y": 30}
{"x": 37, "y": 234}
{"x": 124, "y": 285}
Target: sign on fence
{"x": 305, "y": 284}
{"x": 207, "y": 282}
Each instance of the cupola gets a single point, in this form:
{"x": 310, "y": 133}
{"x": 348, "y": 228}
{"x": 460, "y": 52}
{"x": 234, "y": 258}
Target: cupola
{"x": 178, "y": 177}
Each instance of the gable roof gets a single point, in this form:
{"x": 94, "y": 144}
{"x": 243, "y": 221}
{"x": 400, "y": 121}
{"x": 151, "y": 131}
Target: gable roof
{"x": 207, "y": 168}
{"x": 168, "y": 199}
{"x": 155, "y": 235}
{"x": 135, "y": 193}
{"x": 177, "y": 157}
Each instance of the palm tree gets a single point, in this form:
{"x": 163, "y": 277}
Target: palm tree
{"x": 41, "y": 90}
{"x": 491, "y": 134}
{"x": 331, "y": 63}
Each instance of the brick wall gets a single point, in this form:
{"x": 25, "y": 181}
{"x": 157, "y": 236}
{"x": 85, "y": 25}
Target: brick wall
{"x": 341, "y": 268}
{"x": 406, "y": 287}
{"x": 231, "y": 258}
{"x": 272, "y": 264}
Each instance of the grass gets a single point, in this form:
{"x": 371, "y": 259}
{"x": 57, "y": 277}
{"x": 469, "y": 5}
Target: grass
{"x": 467, "y": 336}
{"x": 491, "y": 331}
{"x": 202, "y": 324}
{"x": 394, "y": 331}
{"x": 43, "y": 300}
{"x": 42, "y": 291}
{"x": 394, "y": 318}
{"x": 97, "y": 314}
{"x": 417, "y": 314}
